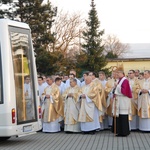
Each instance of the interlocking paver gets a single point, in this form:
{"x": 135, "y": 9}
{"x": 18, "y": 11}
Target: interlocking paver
{"x": 103, "y": 140}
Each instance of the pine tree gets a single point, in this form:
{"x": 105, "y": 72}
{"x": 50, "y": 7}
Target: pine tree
{"x": 9, "y": 12}
{"x": 111, "y": 55}
{"x": 40, "y": 17}
{"x": 94, "y": 59}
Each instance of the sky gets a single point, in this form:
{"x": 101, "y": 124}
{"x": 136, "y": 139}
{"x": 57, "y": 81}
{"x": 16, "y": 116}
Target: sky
{"x": 127, "y": 19}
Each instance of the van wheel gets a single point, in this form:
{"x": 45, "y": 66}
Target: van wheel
{"x": 4, "y": 138}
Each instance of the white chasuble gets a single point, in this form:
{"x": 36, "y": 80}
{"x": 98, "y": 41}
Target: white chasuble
{"x": 144, "y": 100}
{"x": 89, "y": 114}
{"x": 71, "y": 110}
{"x": 87, "y": 107}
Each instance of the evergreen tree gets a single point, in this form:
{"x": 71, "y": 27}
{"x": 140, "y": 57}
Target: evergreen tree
{"x": 94, "y": 59}
{"x": 9, "y": 11}
{"x": 39, "y": 16}
{"x": 111, "y": 55}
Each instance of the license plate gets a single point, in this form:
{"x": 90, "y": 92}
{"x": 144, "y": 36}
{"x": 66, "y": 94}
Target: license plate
{"x": 27, "y": 128}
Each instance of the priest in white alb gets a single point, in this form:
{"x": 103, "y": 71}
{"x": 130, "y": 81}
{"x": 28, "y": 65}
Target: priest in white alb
{"x": 90, "y": 105}
{"x": 109, "y": 93}
{"x": 53, "y": 107}
{"x": 143, "y": 90}
{"x": 71, "y": 107}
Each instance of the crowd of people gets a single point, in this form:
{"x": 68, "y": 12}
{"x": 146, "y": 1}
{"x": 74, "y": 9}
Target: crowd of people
{"x": 120, "y": 103}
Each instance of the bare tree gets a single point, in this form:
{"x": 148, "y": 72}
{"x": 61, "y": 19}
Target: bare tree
{"x": 113, "y": 45}
{"x": 67, "y": 29}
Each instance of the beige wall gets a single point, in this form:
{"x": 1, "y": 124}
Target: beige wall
{"x": 131, "y": 64}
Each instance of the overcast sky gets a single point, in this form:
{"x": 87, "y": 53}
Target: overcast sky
{"x": 127, "y": 19}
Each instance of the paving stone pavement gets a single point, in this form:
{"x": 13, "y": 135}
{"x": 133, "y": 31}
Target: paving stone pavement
{"x": 102, "y": 140}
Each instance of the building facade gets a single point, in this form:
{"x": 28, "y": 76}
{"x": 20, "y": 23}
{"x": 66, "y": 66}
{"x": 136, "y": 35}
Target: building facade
{"x": 130, "y": 63}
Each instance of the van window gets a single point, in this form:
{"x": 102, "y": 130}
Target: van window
{"x": 25, "y": 100}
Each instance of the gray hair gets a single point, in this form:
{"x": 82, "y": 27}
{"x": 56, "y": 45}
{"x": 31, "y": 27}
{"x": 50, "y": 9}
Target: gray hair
{"x": 51, "y": 78}
{"x": 74, "y": 80}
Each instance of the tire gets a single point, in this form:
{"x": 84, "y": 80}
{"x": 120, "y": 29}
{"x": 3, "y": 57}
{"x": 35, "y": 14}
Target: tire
{"x": 4, "y": 138}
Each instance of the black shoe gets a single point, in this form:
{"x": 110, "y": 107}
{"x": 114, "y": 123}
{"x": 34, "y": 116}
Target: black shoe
{"x": 120, "y": 135}
{"x": 92, "y": 132}
{"x": 68, "y": 132}
{"x": 85, "y": 132}
{"x": 40, "y": 130}
{"x": 135, "y": 130}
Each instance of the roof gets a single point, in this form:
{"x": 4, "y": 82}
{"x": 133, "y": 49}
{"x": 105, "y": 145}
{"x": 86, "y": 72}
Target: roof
{"x": 128, "y": 59}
